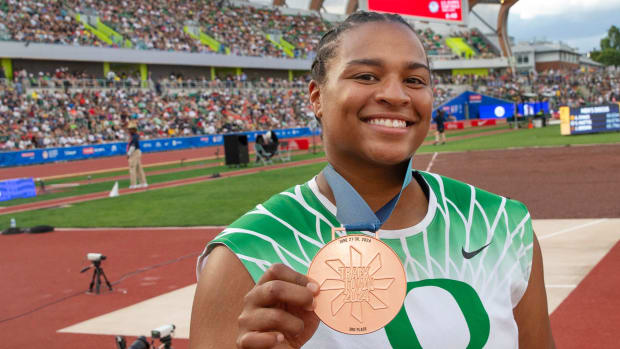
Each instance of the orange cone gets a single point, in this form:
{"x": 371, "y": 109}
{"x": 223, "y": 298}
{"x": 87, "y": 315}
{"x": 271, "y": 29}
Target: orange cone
{"x": 530, "y": 125}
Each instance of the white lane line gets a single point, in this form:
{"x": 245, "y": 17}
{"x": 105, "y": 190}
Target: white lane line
{"x": 567, "y": 230}
{"x": 430, "y": 164}
{"x": 561, "y": 286}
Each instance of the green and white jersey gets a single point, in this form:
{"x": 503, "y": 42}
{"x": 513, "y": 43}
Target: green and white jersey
{"x": 467, "y": 262}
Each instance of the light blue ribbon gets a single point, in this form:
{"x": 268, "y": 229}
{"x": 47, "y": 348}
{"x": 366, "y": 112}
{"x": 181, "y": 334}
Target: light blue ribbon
{"x": 353, "y": 212}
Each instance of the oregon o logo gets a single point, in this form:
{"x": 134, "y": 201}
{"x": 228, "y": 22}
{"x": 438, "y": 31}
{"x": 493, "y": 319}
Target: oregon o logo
{"x": 466, "y": 310}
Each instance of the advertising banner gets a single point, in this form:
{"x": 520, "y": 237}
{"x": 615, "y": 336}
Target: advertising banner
{"x": 19, "y": 188}
{"x": 497, "y": 111}
{"x": 41, "y": 156}
{"x": 446, "y": 10}
{"x": 529, "y": 109}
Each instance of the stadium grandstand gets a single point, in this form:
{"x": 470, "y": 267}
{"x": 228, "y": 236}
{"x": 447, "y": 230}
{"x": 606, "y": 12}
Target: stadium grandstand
{"x": 179, "y": 69}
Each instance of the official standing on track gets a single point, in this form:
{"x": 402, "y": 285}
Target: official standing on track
{"x": 135, "y": 158}
{"x": 440, "y": 135}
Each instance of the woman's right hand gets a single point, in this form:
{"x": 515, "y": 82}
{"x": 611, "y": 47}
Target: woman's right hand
{"x": 278, "y": 311}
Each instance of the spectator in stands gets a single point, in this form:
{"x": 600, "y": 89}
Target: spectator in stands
{"x": 134, "y": 155}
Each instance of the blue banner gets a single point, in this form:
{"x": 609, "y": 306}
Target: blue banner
{"x": 528, "y": 109}
{"x": 47, "y": 155}
{"x": 17, "y": 189}
{"x": 471, "y": 105}
{"x": 497, "y": 111}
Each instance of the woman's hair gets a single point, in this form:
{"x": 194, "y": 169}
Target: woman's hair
{"x": 329, "y": 41}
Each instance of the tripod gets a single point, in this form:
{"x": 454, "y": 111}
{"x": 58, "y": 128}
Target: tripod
{"x": 97, "y": 274}
{"x": 166, "y": 342}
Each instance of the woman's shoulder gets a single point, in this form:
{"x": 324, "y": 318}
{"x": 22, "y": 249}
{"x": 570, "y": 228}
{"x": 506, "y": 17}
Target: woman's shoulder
{"x": 287, "y": 228}
{"x": 296, "y": 203}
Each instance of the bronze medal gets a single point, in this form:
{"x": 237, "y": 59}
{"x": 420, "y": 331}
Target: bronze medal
{"x": 362, "y": 283}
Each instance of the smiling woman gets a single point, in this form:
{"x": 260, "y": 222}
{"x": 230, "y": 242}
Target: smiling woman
{"x": 472, "y": 266}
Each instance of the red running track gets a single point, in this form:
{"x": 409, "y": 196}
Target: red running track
{"x": 37, "y": 270}
{"x": 590, "y": 316}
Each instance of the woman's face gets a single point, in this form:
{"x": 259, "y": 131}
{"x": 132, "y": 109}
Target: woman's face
{"x": 375, "y": 105}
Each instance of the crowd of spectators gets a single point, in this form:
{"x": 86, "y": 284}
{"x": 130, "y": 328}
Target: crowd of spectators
{"x": 44, "y": 21}
{"x": 247, "y": 39}
{"x": 49, "y": 117}
{"x": 433, "y": 42}
{"x": 476, "y": 41}
{"x": 572, "y": 88}
{"x": 58, "y": 109}
{"x": 159, "y": 25}
{"x": 147, "y": 24}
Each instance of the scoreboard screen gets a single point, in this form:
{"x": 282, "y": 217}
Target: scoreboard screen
{"x": 439, "y": 10}
{"x": 594, "y": 119}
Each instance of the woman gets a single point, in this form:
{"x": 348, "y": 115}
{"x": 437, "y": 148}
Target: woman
{"x": 467, "y": 253}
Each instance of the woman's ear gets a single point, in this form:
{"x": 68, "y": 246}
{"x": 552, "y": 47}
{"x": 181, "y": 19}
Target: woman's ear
{"x": 315, "y": 98}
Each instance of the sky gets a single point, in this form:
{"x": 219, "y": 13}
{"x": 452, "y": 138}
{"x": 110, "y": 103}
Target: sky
{"x": 579, "y": 23}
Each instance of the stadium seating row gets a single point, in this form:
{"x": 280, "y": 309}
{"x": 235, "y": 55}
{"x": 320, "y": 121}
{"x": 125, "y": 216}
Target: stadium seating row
{"x": 63, "y": 109}
{"x": 188, "y": 26}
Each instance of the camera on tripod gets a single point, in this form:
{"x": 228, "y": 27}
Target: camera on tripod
{"x": 163, "y": 333}
{"x": 96, "y": 259}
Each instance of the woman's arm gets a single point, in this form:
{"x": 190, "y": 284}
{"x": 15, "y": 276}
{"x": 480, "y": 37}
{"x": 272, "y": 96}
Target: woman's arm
{"x": 231, "y": 311}
{"x": 531, "y": 314}
{"x": 218, "y": 301}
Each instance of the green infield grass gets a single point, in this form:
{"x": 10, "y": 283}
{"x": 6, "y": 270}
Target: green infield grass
{"x": 468, "y": 131}
{"x": 216, "y": 202}
{"x": 147, "y": 170}
{"x": 152, "y": 179}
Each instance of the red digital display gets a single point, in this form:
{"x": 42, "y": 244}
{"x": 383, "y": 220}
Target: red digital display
{"x": 447, "y": 10}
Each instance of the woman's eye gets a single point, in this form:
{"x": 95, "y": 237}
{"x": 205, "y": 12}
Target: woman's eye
{"x": 415, "y": 81}
{"x": 366, "y": 77}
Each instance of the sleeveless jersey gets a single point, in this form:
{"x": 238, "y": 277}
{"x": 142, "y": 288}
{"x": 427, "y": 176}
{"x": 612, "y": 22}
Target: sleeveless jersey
{"x": 467, "y": 262}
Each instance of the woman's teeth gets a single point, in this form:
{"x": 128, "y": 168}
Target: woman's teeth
{"x": 388, "y": 123}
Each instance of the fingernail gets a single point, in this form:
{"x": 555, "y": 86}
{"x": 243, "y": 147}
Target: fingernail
{"x": 280, "y": 338}
{"x": 313, "y": 287}
{"x": 312, "y": 306}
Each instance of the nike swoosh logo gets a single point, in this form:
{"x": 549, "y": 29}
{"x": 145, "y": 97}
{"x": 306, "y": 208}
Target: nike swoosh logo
{"x": 472, "y": 254}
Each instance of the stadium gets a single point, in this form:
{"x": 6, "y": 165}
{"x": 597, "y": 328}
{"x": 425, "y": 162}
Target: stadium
{"x": 217, "y": 93}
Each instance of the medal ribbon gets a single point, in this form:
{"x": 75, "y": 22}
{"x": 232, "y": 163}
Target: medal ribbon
{"x": 353, "y": 211}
